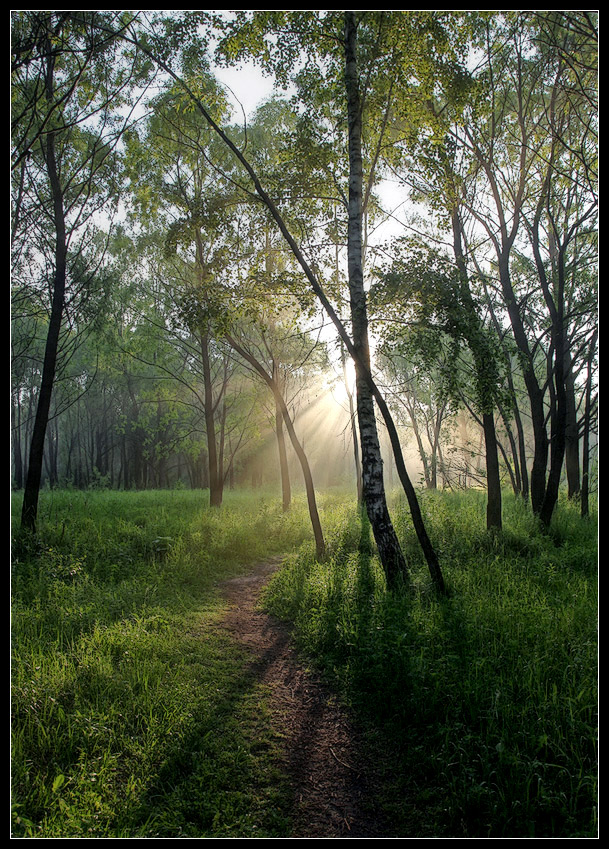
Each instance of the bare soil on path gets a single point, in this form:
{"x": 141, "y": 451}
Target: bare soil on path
{"x": 322, "y": 756}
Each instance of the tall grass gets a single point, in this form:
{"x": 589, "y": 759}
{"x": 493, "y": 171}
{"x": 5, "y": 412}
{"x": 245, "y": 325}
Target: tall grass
{"x": 132, "y": 716}
{"x": 486, "y": 699}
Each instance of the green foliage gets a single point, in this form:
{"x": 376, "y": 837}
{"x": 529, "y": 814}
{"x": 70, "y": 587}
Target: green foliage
{"x": 132, "y": 715}
{"x": 434, "y": 320}
{"x": 486, "y": 700}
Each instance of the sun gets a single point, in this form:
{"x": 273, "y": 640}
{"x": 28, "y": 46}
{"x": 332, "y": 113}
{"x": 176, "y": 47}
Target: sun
{"x": 342, "y": 384}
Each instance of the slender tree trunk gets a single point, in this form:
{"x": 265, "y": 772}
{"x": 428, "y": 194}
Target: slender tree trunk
{"x": 572, "y": 464}
{"x": 16, "y": 441}
{"x": 585, "y": 493}
{"x": 515, "y": 473}
{"x": 320, "y": 546}
{"x": 354, "y": 439}
{"x": 386, "y": 539}
{"x": 215, "y": 482}
{"x": 540, "y": 435}
{"x": 520, "y": 458}
{"x": 409, "y": 403}
{"x": 221, "y": 447}
{"x": 558, "y": 419}
{"x": 486, "y": 391}
{"x": 286, "y": 490}
{"x": 29, "y": 511}
{"x": 493, "y": 504}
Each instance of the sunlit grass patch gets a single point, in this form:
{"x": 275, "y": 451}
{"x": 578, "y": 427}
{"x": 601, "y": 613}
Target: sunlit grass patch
{"x": 132, "y": 715}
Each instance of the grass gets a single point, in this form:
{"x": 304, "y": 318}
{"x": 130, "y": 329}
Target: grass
{"x": 486, "y": 700}
{"x": 134, "y": 717}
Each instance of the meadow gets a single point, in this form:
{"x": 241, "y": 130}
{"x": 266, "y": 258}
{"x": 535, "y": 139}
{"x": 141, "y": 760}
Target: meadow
{"x": 133, "y": 715}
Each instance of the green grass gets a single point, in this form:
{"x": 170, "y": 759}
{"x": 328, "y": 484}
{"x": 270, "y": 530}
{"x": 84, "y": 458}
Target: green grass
{"x": 486, "y": 699}
{"x": 132, "y": 716}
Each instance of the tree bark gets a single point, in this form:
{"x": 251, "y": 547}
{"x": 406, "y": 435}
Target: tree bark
{"x": 29, "y": 512}
{"x": 373, "y": 490}
{"x": 493, "y": 502}
{"x": 354, "y": 439}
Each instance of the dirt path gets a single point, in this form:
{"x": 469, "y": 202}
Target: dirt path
{"x": 329, "y": 775}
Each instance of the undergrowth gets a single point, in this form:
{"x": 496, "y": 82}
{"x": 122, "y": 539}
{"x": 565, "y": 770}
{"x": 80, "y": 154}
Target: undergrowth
{"x": 132, "y": 716}
{"x": 486, "y": 699}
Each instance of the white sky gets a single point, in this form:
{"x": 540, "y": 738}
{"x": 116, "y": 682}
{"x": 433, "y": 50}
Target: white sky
{"x": 247, "y": 87}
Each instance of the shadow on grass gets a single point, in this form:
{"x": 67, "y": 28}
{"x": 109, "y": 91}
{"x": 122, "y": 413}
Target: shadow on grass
{"x": 219, "y": 779}
{"x": 482, "y": 699}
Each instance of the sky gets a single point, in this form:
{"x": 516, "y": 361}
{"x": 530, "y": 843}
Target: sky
{"x": 247, "y": 87}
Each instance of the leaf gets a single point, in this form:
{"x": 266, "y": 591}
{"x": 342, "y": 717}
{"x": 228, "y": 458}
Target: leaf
{"x": 58, "y": 783}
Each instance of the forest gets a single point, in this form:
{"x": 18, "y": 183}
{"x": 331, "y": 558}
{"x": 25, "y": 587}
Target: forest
{"x": 304, "y": 423}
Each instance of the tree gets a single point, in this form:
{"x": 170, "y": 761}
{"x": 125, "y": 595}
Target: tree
{"x": 177, "y": 190}
{"x": 521, "y": 140}
{"x": 270, "y": 374}
{"x": 65, "y": 155}
{"x": 426, "y": 298}
{"x": 391, "y": 555}
{"x": 509, "y": 155}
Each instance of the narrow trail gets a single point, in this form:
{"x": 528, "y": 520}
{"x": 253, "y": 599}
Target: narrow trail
{"x": 330, "y": 777}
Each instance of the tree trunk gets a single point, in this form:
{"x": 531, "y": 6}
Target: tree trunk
{"x": 515, "y": 473}
{"x": 215, "y": 481}
{"x": 540, "y": 436}
{"x": 320, "y": 546}
{"x": 572, "y": 464}
{"x": 486, "y": 391}
{"x": 286, "y": 491}
{"x": 386, "y": 539}
{"x": 356, "y": 460}
{"x": 585, "y": 493}
{"x": 558, "y": 420}
{"x": 16, "y": 439}
{"x": 493, "y": 481}
{"x": 29, "y": 512}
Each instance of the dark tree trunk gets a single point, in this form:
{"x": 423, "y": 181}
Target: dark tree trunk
{"x": 540, "y": 435}
{"x": 558, "y": 420}
{"x": 493, "y": 481}
{"x": 31, "y": 494}
{"x": 215, "y": 479}
{"x": 585, "y": 494}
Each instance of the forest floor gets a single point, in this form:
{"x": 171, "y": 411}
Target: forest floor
{"x": 323, "y": 754}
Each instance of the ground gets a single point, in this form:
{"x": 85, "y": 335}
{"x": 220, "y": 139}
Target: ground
{"x": 323, "y": 755}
